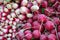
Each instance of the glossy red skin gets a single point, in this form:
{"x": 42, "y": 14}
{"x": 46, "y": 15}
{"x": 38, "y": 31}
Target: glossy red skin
{"x": 27, "y": 26}
{"x": 28, "y": 36}
{"x": 27, "y": 31}
{"x": 36, "y": 34}
{"x": 58, "y": 8}
{"x": 9, "y": 27}
{"x": 0, "y": 15}
{"x": 18, "y": 37}
{"x": 58, "y": 28}
{"x": 4, "y": 38}
{"x": 42, "y": 18}
{"x": 36, "y": 12}
{"x": 49, "y": 11}
{"x": 51, "y": 37}
{"x": 59, "y": 35}
{"x": 52, "y": 1}
{"x": 29, "y": 5}
{"x": 56, "y": 20}
{"x": 53, "y": 31}
{"x": 29, "y": 20}
{"x": 43, "y": 37}
{"x": 35, "y": 17}
{"x": 49, "y": 25}
{"x": 36, "y": 25}
{"x": 56, "y": 4}
{"x": 44, "y": 4}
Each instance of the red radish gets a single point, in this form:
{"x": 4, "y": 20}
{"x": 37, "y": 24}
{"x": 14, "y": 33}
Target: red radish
{"x": 22, "y": 19}
{"x": 51, "y": 37}
{"x": 28, "y": 36}
{"x": 29, "y": 5}
{"x": 36, "y": 25}
{"x": 42, "y": 18}
{"x": 56, "y": 4}
{"x": 44, "y": 4}
{"x": 8, "y": 27}
{"x": 24, "y": 11}
{"x": 29, "y": 20}
{"x": 53, "y": 32}
{"x": 27, "y": 26}
{"x": 4, "y": 38}
{"x": 16, "y": 19}
{"x": 24, "y": 2}
{"x": 18, "y": 37}
{"x": 14, "y": 23}
{"x": 3, "y": 18}
{"x": 59, "y": 35}
{"x": 49, "y": 11}
{"x": 59, "y": 0}
{"x": 37, "y": 12}
{"x": 58, "y": 28}
{"x": 58, "y": 8}
{"x": 36, "y": 34}
{"x": 27, "y": 31}
{"x": 56, "y": 20}
{"x": 52, "y": 1}
{"x": 43, "y": 37}
{"x": 35, "y": 17}
{"x": 4, "y": 14}
{"x": 49, "y": 25}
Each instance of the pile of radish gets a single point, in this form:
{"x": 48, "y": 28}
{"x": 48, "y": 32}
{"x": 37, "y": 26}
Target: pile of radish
{"x": 29, "y": 19}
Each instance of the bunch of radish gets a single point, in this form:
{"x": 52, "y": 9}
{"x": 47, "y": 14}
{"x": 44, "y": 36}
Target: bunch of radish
{"x": 29, "y": 19}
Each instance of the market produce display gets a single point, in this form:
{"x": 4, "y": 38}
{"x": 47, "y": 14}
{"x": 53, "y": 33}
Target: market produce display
{"x": 29, "y": 19}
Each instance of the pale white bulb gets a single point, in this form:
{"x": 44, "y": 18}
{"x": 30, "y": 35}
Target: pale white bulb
{"x": 14, "y": 5}
{"x": 9, "y": 6}
{"x": 35, "y": 8}
{"x": 17, "y": 11}
{"x": 13, "y": 15}
{"x": 24, "y": 2}
{"x": 21, "y": 16}
{"x": 29, "y": 15}
{"x": 5, "y": 9}
{"x": 23, "y": 9}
